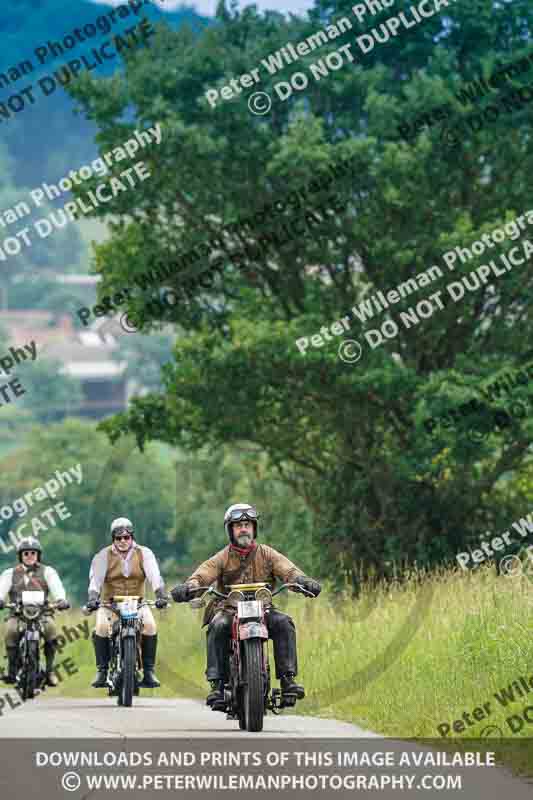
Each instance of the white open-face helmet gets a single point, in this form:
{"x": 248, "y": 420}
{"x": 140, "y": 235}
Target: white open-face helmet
{"x": 238, "y": 512}
{"x": 121, "y": 524}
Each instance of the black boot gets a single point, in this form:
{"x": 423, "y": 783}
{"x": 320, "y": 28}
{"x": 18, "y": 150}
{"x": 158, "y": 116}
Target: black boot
{"x": 289, "y": 687}
{"x": 216, "y": 695}
{"x": 49, "y": 652}
{"x": 11, "y": 653}
{"x": 102, "y": 650}
{"x": 149, "y": 649}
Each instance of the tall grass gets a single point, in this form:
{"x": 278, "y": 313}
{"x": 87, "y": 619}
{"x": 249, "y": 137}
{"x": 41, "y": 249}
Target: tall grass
{"x": 398, "y": 661}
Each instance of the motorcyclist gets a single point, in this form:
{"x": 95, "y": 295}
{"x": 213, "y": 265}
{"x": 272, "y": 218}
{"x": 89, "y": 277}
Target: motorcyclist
{"x": 31, "y": 575}
{"x": 245, "y": 561}
{"x": 122, "y": 568}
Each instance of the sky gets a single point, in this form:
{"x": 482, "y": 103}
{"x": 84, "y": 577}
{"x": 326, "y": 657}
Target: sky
{"x": 207, "y": 7}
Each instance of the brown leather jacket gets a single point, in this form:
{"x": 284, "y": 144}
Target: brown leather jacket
{"x": 266, "y": 565}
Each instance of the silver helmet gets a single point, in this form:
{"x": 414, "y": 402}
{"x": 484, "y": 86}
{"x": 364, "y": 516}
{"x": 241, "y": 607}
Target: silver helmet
{"x": 236, "y": 513}
{"x": 121, "y": 524}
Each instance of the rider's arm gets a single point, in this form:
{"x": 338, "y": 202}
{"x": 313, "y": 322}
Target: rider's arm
{"x": 151, "y": 569}
{"x": 98, "y": 571}
{"x": 208, "y": 572}
{"x": 282, "y": 568}
{"x": 6, "y": 579}
{"x": 57, "y": 590}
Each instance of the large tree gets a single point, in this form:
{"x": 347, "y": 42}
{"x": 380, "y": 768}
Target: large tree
{"x": 349, "y": 437}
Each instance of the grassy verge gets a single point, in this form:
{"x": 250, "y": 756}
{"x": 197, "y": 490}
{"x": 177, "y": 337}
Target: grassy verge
{"x": 400, "y": 661}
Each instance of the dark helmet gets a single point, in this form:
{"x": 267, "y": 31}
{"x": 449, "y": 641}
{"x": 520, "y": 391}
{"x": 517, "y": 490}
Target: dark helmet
{"x": 238, "y": 512}
{"x": 121, "y": 524}
{"x": 29, "y": 543}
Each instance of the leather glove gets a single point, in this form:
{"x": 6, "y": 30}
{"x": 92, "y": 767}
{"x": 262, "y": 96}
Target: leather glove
{"x": 308, "y": 583}
{"x": 161, "y": 600}
{"x": 181, "y": 593}
{"x": 93, "y": 601}
{"x": 63, "y": 605}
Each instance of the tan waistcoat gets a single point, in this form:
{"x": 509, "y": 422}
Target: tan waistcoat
{"x": 37, "y": 582}
{"x": 116, "y": 583}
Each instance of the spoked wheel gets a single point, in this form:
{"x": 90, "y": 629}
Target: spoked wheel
{"x": 241, "y": 714}
{"x": 30, "y": 666}
{"x": 127, "y": 683}
{"x": 253, "y": 691}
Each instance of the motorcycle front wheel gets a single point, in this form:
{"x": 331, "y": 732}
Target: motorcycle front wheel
{"x": 253, "y": 690}
{"x": 30, "y": 666}
{"x": 127, "y": 682}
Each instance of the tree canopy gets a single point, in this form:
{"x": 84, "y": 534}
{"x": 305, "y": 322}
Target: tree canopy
{"x": 348, "y": 437}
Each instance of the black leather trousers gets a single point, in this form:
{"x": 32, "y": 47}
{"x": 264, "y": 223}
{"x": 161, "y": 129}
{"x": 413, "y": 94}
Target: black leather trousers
{"x": 280, "y": 629}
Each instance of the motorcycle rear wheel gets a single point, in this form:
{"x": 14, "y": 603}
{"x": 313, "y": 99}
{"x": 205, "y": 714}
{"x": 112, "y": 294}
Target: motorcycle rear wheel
{"x": 253, "y": 694}
{"x": 28, "y": 682}
{"x": 127, "y": 683}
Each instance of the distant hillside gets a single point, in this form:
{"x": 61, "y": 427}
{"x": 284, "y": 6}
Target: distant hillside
{"x": 47, "y": 140}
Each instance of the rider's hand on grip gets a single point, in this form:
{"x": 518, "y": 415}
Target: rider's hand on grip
{"x": 181, "y": 593}
{"x": 161, "y": 599}
{"x": 308, "y": 583}
{"x": 92, "y": 602}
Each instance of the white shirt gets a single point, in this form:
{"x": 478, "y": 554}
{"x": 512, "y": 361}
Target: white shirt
{"x": 99, "y": 567}
{"x": 50, "y": 575}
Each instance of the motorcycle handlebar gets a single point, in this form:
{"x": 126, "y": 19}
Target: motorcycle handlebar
{"x": 113, "y": 606}
{"x": 297, "y": 586}
{"x": 46, "y": 607}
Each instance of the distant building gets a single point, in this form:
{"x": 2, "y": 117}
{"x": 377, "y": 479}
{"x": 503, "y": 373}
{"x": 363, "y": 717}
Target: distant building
{"x": 85, "y": 355}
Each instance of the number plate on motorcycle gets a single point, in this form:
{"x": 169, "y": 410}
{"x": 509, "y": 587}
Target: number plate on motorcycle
{"x": 249, "y": 608}
{"x": 128, "y": 607}
{"x": 32, "y": 598}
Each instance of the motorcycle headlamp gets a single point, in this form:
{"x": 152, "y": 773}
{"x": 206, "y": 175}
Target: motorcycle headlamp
{"x": 235, "y": 597}
{"x": 30, "y": 612}
{"x": 264, "y": 596}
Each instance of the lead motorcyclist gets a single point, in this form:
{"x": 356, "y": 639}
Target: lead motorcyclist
{"x": 263, "y": 564}
{"x": 122, "y": 569}
{"x": 30, "y": 575}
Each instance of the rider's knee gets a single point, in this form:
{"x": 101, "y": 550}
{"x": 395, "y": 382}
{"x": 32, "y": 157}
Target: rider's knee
{"x": 280, "y": 622}
{"x": 101, "y": 629}
{"x": 149, "y": 629}
{"x": 220, "y": 624}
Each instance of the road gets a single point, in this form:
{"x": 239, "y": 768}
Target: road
{"x": 99, "y": 719}
{"x": 54, "y": 725}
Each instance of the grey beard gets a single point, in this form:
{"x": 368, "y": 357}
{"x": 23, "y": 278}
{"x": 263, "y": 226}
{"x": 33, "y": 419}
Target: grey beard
{"x": 244, "y": 539}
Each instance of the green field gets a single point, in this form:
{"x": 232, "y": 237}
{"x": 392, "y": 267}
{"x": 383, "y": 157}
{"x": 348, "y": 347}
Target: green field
{"x": 365, "y": 662}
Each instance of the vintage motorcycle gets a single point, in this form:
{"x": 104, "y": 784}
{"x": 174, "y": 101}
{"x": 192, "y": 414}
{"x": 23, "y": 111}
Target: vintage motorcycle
{"x": 248, "y": 695}
{"x": 31, "y": 612}
{"x": 125, "y": 662}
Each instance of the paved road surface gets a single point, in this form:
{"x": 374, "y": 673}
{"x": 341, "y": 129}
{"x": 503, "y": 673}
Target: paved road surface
{"x": 102, "y": 718}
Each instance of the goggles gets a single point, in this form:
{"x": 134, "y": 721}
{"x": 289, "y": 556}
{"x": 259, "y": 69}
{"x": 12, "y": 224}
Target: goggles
{"x": 122, "y": 537}
{"x": 30, "y": 552}
{"x": 239, "y": 514}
